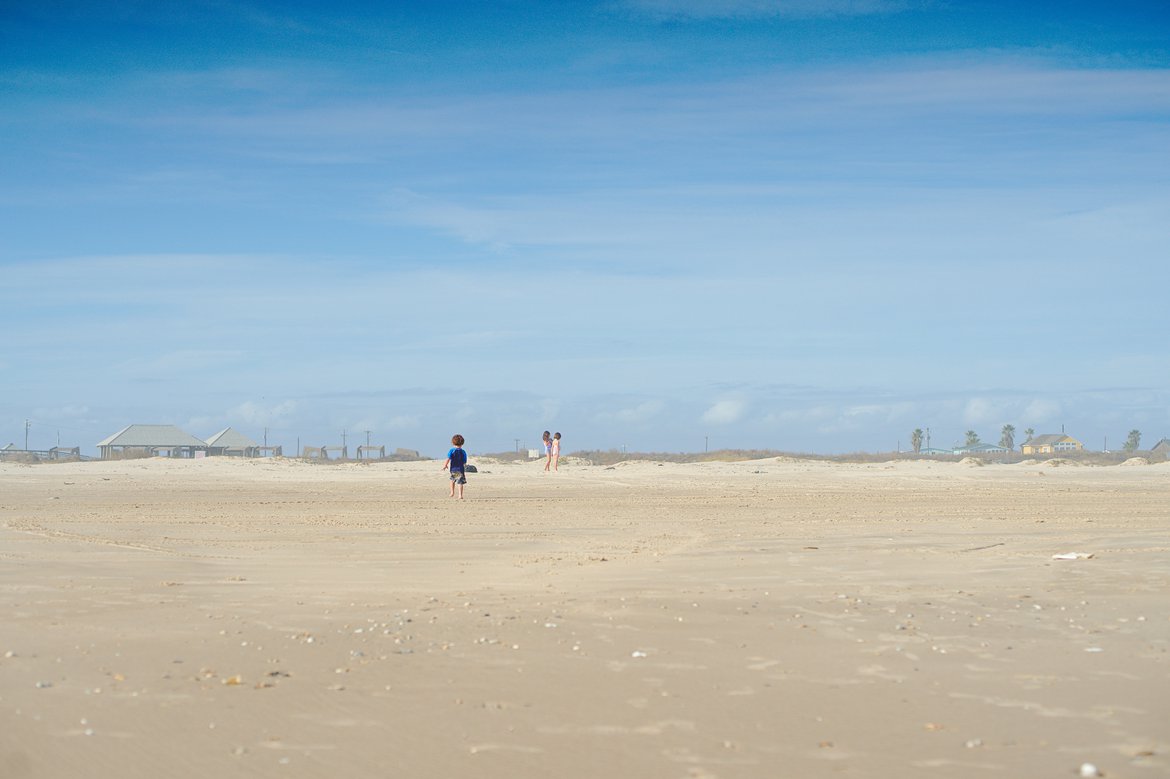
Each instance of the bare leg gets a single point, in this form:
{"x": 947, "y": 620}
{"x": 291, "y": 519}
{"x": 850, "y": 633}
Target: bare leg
{"x": 547, "y": 462}
{"x": 461, "y": 486}
{"x": 556, "y": 460}
{"x": 452, "y": 489}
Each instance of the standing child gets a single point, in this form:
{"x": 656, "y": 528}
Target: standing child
{"x": 547, "y": 439}
{"x": 457, "y": 465}
{"x": 556, "y": 450}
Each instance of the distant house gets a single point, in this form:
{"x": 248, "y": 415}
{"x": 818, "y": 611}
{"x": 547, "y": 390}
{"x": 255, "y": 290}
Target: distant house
{"x": 981, "y": 449}
{"x": 1051, "y": 443}
{"x": 230, "y": 443}
{"x": 11, "y": 452}
{"x": 1162, "y": 447}
{"x": 926, "y": 450}
{"x": 150, "y": 440}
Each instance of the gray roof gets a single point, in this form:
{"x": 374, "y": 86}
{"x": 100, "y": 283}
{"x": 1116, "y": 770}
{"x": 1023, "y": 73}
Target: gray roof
{"x": 230, "y": 439}
{"x": 151, "y": 435}
{"x": 1163, "y": 444}
{"x": 982, "y": 448}
{"x": 1047, "y": 438}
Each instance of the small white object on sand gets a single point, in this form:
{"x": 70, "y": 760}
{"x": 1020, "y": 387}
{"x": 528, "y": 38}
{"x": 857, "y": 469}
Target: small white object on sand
{"x": 1073, "y": 556}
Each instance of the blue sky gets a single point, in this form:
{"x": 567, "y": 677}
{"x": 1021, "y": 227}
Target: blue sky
{"x": 811, "y": 225}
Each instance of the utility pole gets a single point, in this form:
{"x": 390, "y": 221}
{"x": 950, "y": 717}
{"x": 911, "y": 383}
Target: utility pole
{"x": 343, "y": 436}
{"x": 517, "y": 440}
{"x": 367, "y": 438}
{"x": 265, "y": 438}
{"x": 705, "y": 438}
{"x": 928, "y": 438}
{"x": 26, "y": 424}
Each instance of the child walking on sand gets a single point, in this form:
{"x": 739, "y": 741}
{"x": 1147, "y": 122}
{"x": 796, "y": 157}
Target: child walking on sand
{"x": 556, "y": 450}
{"x": 457, "y": 465}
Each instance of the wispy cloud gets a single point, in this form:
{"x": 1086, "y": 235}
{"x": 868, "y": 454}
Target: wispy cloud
{"x": 263, "y": 412}
{"x": 745, "y": 9}
{"x": 640, "y": 414}
{"x": 180, "y": 363}
{"x": 1042, "y": 410}
{"x": 384, "y": 424}
{"x": 599, "y": 123}
{"x": 981, "y": 411}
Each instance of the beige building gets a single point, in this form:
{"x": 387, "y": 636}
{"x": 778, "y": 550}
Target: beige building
{"x": 1051, "y": 443}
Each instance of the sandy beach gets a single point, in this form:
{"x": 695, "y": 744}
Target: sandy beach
{"x": 772, "y": 618}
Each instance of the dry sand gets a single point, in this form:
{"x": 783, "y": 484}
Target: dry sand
{"x": 762, "y": 619}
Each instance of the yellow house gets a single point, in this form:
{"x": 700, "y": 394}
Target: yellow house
{"x": 1051, "y": 443}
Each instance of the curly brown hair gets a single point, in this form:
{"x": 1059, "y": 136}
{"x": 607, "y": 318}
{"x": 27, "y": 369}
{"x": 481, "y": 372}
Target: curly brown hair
{"x": 457, "y": 439}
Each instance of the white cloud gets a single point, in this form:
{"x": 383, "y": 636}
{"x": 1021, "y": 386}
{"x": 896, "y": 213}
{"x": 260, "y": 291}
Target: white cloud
{"x": 643, "y": 412}
{"x": 1041, "y": 410}
{"x": 981, "y": 411}
{"x": 262, "y": 414}
{"x": 863, "y": 410}
{"x": 725, "y": 412}
{"x": 402, "y": 422}
{"x": 202, "y": 426}
{"x": 379, "y": 424}
{"x": 800, "y": 415}
{"x": 853, "y": 418}
{"x": 549, "y": 410}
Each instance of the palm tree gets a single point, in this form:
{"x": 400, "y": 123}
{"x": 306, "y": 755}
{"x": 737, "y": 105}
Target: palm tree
{"x": 916, "y": 440}
{"x": 1133, "y": 442}
{"x": 1007, "y": 437}
{"x": 972, "y": 438}
{"x": 1029, "y": 433}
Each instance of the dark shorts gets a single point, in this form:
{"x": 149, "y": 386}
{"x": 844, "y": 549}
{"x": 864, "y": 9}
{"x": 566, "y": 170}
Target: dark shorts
{"x": 458, "y": 477}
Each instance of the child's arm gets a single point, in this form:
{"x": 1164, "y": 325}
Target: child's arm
{"x": 446, "y": 464}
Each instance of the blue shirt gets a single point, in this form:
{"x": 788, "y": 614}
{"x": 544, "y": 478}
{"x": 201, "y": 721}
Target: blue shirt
{"x": 458, "y": 458}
